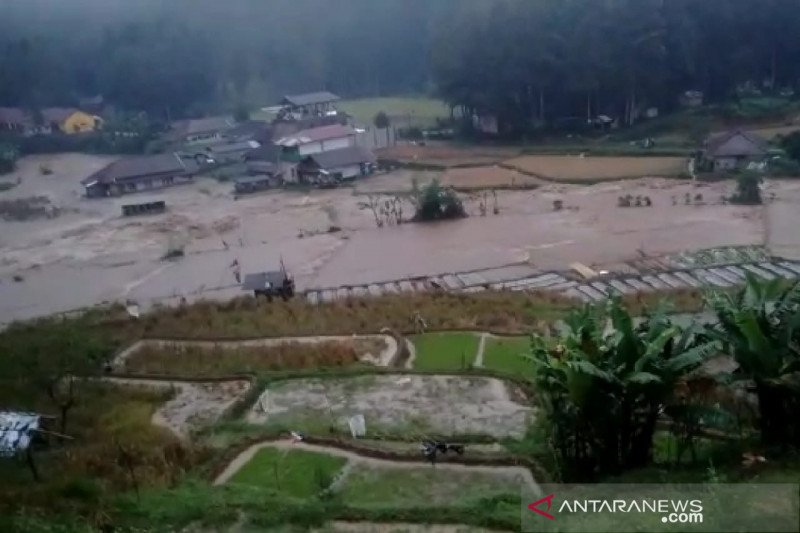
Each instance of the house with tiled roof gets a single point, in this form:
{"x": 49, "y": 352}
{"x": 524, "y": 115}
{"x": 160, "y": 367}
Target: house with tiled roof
{"x": 734, "y": 149}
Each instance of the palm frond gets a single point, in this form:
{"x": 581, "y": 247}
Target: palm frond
{"x": 589, "y": 369}
{"x": 692, "y": 358}
{"x": 643, "y": 378}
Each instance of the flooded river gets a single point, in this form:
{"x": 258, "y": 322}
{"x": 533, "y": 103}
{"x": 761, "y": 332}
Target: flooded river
{"x": 91, "y": 254}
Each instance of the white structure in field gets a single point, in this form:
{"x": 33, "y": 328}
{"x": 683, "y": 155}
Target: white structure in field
{"x": 358, "y": 426}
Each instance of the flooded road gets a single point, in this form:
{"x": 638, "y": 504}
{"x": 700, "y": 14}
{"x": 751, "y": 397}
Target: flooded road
{"x": 90, "y": 254}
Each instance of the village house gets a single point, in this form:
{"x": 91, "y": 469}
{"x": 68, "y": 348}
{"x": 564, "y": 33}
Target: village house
{"x": 250, "y": 130}
{"x": 208, "y": 130}
{"x": 734, "y": 149}
{"x": 68, "y": 120}
{"x": 269, "y": 160}
{"x": 337, "y": 165}
{"x": 315, "y": 140}
{"x": 15, "y": 120}
{"x": 309, "y": 104}
{"x": 139, "y": 173}
{"x": 227, "y": 153}
{"x": 251, "y": 184}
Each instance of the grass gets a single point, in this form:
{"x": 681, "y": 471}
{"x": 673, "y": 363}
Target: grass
{"x": 77, "y": 473}
{"x": 84, "y": 477}
{"x": 403, "y": 111}
{"x": 297, "y": 473}
{"x": 506, "y": 354}
{"x": 445, "y": 351}
{"x": 248, "y": 317}
{"x": 423, "y": 486}
{"x": 179, "y": 359}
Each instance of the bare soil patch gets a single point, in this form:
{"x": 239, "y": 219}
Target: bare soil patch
{"x": 448, "y": 155}
{"x": 193, "y": 405}
{"x": 576, "y": 168}
{"x": 443, "y": 405}
{"x": 488, "y": 177}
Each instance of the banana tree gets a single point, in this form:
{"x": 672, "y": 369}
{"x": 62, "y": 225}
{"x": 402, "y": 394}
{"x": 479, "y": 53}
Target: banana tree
{"x": 760, "y": 328}
{"x": 605, "y": 382}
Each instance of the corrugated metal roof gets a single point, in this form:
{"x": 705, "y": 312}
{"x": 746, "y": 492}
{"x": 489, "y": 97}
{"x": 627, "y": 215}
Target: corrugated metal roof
{"x": 342, "y": 157}
{"x": 233, "y": 147}
{"x": 135, "y": 166}
{"x": 209, "y": 124}
{"x": 322, "y": 97}
{"x": 736, "y": 143}
{"x": 323, "y": 133}
{"x": 16, "y": 431}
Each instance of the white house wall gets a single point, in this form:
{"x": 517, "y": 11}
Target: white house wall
{"x": 310, "y": 148}
{"x": 327, "y": 145}
{"x": 338, "y": 144}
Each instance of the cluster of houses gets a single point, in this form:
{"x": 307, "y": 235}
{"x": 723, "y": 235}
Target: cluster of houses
{"x": 308, "y": 142}
{"x": 67, "y": 120}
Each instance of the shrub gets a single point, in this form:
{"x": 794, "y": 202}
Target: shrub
{"x": 8, "y": 158}
{"x": 783, "y": 166}
{"x": 412, "y": 133}
{"x": 433, "y": 202}
{"x": 381, "y": 120}
{"x": 747, "y": 189}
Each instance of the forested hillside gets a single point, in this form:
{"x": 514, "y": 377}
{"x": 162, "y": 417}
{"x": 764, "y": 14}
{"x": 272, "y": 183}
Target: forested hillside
{"x": 526, "y": 61}
{"x": 190, "y": 56}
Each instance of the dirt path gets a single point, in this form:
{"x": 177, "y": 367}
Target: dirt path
{"x": 382, "y": 359}
{"x": 412, "y": 353}
{"x": 479, "y": 354}
{"x": 193, "y": 405}
{"x": 248, "y": 454}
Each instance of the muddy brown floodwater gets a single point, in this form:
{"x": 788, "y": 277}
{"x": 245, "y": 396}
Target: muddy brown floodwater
{"x": 89, "y": 253}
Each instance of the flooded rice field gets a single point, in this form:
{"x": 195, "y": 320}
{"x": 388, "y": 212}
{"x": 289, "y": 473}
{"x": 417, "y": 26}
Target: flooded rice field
{"x": 84, "y": 252}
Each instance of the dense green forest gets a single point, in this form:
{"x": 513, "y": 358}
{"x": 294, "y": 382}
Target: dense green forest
{"x": 194, "y": 56}
{"x": 526, "y": 61}
{"x": 529, "y": 61}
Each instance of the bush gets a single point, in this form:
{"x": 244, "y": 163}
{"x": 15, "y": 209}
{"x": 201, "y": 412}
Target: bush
{"x": 747, "y": 189}
{"x": 433, "y": 202}
{"x": 8, "y": 158}
{"x": 381, "y": 120}
{"x": 82, "y": 489}
{"x": 791, "y": 144}
{"x": 412, "y": 134}
{"x": 783, "y": 166}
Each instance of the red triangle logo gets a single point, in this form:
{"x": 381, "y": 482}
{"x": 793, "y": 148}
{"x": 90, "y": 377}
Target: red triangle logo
{"x": 549, "y": 500}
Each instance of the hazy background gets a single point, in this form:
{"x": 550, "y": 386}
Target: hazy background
{"x": 525, "y": 61}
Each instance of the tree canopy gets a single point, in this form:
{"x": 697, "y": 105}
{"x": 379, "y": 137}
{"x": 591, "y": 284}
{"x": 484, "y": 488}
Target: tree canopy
{"x": 187, "y": 56}
{"x": 527, "y": 61}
